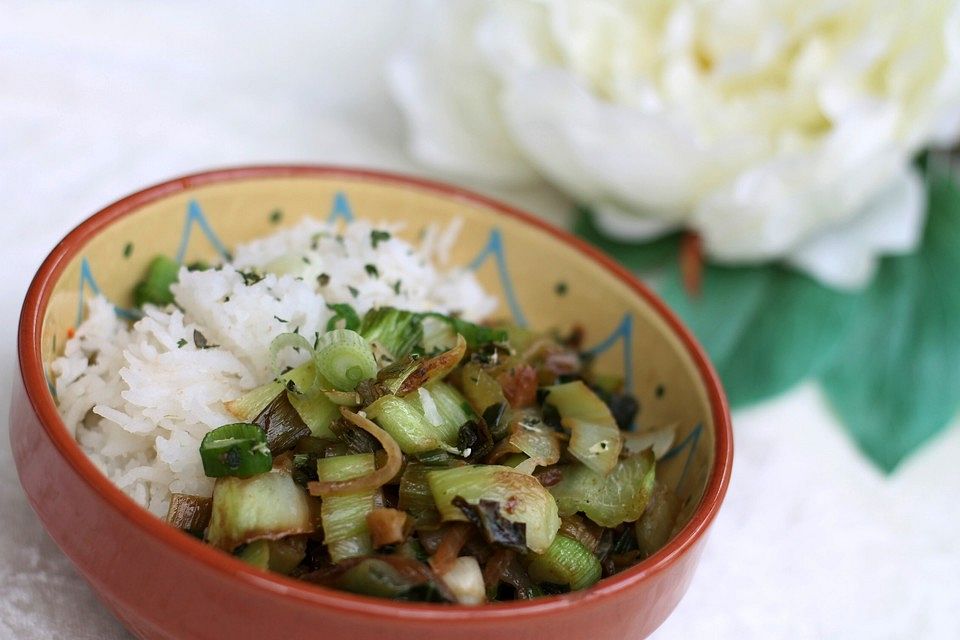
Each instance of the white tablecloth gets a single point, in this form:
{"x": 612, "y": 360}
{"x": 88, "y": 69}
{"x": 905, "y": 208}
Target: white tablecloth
{"x": 99, "y": 98}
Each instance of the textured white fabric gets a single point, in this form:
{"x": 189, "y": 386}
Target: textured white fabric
{"x": 102, "y": 98}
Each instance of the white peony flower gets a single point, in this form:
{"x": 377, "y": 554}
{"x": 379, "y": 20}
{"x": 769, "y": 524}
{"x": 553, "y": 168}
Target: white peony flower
{"x": 777, "y": 129}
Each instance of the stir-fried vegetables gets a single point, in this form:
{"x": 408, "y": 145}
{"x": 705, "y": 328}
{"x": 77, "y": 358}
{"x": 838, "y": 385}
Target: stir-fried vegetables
{"x": 566, "y": 562}
{"x": 238, "y": 449}
{"x": 281, "y": 556}
{"x": 519, "y": 498}
{"x": 190, "y": 513}
{"x": 595, "y": 439}
{"x": 421, "y": 457}
{"x": 621, "y": 496}
{"x": 268, "y": 506}
{"x": 155, "y": 287}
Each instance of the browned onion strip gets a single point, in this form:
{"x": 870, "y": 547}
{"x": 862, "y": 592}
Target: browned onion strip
{"x": 454, "y": 537}
{"x": 582, "y": 530}
{"x": 380, "y": 477}
{"x": 434, "y": 368}
{"x": 388, "y": 526}
{"x": 496, "y": 567}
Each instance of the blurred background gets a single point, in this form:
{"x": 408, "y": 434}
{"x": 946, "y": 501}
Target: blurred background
{"x": 101, "y": 98}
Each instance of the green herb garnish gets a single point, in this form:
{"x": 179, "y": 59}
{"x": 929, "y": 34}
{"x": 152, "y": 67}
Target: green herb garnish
{"x": 377, "y": 236}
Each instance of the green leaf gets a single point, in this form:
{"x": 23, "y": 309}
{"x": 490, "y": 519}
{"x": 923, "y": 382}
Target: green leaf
{"x": 765, "y": 328}
{"x": 162, "y": 273}
{"x": 896, "y": 381}
{"x": 343, "y": 313}
{"x": 634, "y": 256}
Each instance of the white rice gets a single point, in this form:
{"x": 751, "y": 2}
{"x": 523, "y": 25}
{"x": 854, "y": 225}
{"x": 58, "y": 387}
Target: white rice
{"x": 140, "y": 398}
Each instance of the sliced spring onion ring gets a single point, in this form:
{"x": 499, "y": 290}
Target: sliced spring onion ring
{"x": 238, "y": 449}
{"x": 567, "y": 562}
{"x": 293, "y": 341}
{"x": 344, "y": 358}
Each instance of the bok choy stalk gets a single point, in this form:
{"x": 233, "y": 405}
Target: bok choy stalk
{"x": 529, "y": 435}
{"x": 282, "y": 425}
{"x": 434, "y": 368}
{"x": 408, "y": 426}
{"x": 250, "y": 404}
{"x": 344, "y": 518}
{"x": 443, "y": 407}
{"x": 268, "y": 506}
{"x": 609, "y": 500}
{"x": 653, "y": 529}
{"x": 521, "y": 497}
{"x": 393, "y": 330}
{"x": 390, "y": 576}
{"x": 408, "y": 375}
{"x": 566, "y": 562}
{"x": 415, "y": 495}
{"x": 480, "y": 389}
{"x": 317, "y": 411}
{"x": 595, "y": 439}
{"x": 392, "y": 462}
{"x": 281, "y": 556}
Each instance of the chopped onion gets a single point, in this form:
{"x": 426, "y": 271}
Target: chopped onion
{"x": 465, "y": 580}
{"x": 660, "y": 440}
{"x": 451, "y": 542}
{"x": 388, "y": 526}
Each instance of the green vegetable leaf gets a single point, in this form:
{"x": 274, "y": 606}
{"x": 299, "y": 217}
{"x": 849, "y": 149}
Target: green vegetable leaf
{"x": 398, "y": 331}
{"x": 155, "y": 287}
{"x": 765, "y": 328}
{"x": 343, "y": 312}
{"x": 896, "y": 381}
{"x": 476, "y": 335}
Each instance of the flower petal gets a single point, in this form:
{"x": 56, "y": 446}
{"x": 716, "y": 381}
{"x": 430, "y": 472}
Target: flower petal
{"x": 775, "y": 206}
{"x": 448, "y": 96}
{"x": 601, "y": 152}
{"x": 626, "y": 225}
{"x": 846, "y": 255}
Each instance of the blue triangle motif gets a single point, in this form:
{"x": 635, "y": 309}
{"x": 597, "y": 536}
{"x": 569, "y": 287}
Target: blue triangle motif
{"x": 494, "y": 248}
{"x": 195, "y": 217}
{"x": 341, "y": 208}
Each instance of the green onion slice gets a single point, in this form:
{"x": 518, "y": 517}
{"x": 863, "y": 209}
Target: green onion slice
{"x": 568, "y": 562}
{"x": 238, "y": 449}
{"x": 344, "y": 358}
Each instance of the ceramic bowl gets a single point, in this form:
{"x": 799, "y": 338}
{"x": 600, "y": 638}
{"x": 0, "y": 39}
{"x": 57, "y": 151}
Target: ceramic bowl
{"x": 161, "y": 583}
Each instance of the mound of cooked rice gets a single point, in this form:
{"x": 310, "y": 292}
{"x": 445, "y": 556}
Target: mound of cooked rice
{"x": 140, "y": 398}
